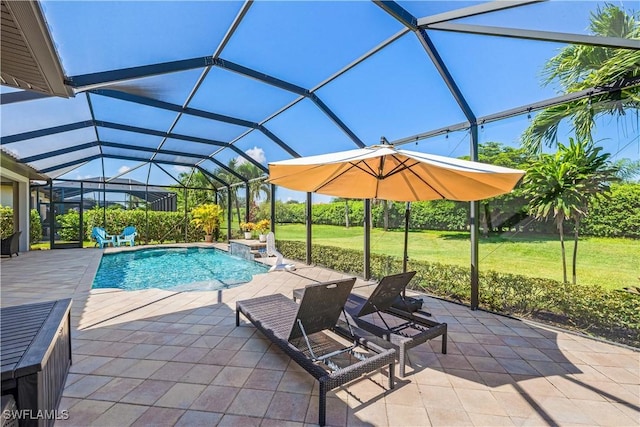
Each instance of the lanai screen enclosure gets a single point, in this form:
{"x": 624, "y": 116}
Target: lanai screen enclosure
{"x": 148, "y": 91}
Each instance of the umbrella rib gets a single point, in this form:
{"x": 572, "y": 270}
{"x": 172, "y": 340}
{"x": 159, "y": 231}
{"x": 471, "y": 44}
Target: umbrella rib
{"x": 343, "y": 168}
{"x": 400, "y": 167}
{"x": 426, "y": 183}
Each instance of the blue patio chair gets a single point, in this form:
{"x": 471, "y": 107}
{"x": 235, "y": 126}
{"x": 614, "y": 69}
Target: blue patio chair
{"x": 128, "y": 236}
{"x": 102, "y": 238}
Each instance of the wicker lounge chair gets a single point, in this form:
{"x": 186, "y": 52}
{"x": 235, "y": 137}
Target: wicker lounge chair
{"x": 11, "y": 244}
{"x": 381, "y": 315}
{"x": 300, "y": 330}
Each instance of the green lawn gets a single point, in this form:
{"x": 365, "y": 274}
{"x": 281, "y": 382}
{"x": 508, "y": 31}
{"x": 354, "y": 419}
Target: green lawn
{"x": 610, "y": 262}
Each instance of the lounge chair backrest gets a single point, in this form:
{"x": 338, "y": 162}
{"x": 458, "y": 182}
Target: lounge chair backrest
{"x": 99, "y": 233}
{"x": 383, "y": 296}
{"x": 129, "y": 230}
{"x": 271, "y": 244}
{"x": 321, "y": 306}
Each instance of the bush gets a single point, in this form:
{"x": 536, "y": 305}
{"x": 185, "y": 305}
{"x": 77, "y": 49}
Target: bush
{"x": 6, "y": 221}
{"x": 591, "y": 309}
{"x": 35, "y": 227}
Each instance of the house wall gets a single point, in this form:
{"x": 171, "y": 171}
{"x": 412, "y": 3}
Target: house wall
{"x": 19, "y": 192}
{"x": 6, "y": 195}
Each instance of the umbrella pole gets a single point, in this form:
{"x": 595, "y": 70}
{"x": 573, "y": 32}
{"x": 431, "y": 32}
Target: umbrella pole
{"x": 405, "y": 256}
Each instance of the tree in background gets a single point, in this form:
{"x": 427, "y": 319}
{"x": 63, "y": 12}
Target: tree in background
{"x": 564, "y": 185}
{"x": 580, "y": 67}
{"x": 200, "y": 189}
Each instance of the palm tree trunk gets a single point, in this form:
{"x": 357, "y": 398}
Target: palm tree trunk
{"x": 575, "y": 249}
{"x": 564, "y": 256}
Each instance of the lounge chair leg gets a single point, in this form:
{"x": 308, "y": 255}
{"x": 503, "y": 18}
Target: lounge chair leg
{"x": 444, "y": 340}
{"x": 322, "y": 404}
{"x": 237, "y": 317}
{"x": 391, "y": 382}
{"x": 402, "y": 360}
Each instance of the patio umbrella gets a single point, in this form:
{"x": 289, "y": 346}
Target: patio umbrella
{"x": 387, "y": 173}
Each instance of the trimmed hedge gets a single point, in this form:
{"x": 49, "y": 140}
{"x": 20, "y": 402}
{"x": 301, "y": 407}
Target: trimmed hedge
{"x": 612, "y": 314}
{"x": 161, "y": 226}
{"x": 616, "y": 214}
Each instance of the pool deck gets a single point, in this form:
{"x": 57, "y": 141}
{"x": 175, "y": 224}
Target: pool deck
{"x": 161, "y": 358}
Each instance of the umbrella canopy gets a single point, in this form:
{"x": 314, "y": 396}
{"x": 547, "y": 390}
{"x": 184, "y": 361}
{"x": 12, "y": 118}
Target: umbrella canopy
{"x": 384, "y": 172}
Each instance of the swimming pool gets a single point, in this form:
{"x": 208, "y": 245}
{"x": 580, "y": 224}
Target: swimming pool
{"x": 176, "y": 269}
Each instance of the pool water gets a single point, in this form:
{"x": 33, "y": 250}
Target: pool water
{"x": 176, "y": 269}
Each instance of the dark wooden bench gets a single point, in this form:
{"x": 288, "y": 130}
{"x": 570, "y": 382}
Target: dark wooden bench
{"x": 35, "y": 351}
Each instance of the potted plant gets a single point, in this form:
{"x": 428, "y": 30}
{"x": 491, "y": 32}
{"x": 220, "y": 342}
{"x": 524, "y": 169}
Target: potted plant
{"x": 262, "y": 227}
{"x": 247, "y": 227}
{"x": 208, "y": 218}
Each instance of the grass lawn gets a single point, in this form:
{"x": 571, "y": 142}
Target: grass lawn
{"x": 610, "y": 262}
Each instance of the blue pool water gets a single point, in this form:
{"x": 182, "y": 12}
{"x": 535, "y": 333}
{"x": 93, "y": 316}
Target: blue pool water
{"x": 176, "y": 269}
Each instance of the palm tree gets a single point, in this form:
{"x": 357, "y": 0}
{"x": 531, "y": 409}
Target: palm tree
{"x": 580, "y": 67}
{"x": 563, "y": 186}
{"x": 257, "y": 187}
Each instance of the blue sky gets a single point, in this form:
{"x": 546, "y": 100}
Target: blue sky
{"x": 395, "y": 93}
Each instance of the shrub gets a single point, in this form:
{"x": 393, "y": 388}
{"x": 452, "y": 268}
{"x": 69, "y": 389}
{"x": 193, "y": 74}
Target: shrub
{"x": 6, "y": 221}
{"x": 591, "y": 309}
{"x": 35, "y": 227}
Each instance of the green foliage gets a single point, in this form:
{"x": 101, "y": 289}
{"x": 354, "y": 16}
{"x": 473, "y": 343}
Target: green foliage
{"x": 6, "y": 221}
{"x": 6, "y": 224}
{"x": 69, "y": 224}
{"x": 590, "y": 309}
{"x": 580, "y": 67}
{"x": 616, "y": 214}
{"x": 207, "y": 217}
{"x": 35, "y": 227}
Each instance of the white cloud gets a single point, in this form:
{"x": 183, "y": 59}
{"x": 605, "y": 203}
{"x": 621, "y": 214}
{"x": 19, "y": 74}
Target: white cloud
{"x": 256, "y": 153}
{"x": 81, "y": 177}
{"x": 123, "y": 169}
{"x": 181, "y": 169}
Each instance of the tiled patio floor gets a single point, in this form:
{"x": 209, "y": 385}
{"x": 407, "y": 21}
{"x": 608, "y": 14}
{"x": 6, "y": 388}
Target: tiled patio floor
{"x": 155, "y": 358}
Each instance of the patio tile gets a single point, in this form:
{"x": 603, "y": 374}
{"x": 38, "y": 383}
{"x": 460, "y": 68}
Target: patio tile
{"x": 115, "y": 366}
{"x": 116, "y": 389}
{"x": 172, "y": 371}
{"x": 181, "y": 395}
{"x": 143, "y": 369}
{"x": 140, "y": 351}
{"x": 246, "y": 359}
{"x": 88, "y": 364}
{"x": 120, "y": 414}
{"x": 446, "y": 416}
{"x": 190, "y": 354}
{"x": 164, "y": 352}
{"x": 399, "y": 415}
{"x": 336, "y": 412}
{"x": 439, "y": 397}
{"x": 159, "y": 417}
{"x": 480, "y": 402}
{"x": 264, "y": 379}
{"x": 85, "y": 412}
{"x": 296, "y": 382}
{"x": 218, "y": 357}
{"x": 201, "y": 374}
{"x": 199, "y": 419}
{"x": 86, "y": 386}
{"x": 251, "y": 402}
{"x": 288, "y": 406}
{"x": 148, "y": 392}
{"x": 238, "y": 421}
{"x": 232, "y": 376}
{"x": 215, "y": 398}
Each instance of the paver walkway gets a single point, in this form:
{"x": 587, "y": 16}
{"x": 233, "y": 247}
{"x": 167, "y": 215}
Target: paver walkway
{"x": 152, "y": 358}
